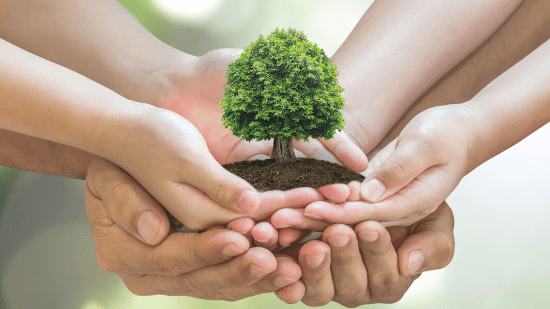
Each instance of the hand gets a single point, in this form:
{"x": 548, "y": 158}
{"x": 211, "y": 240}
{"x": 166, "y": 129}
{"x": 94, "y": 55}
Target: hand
{"x": 367, "y": 264}
{"x": 130, "y": 231}
{"x": 413, "y": 175}
{"x": 376, "y": 265}
{"x": 195, "y": 92}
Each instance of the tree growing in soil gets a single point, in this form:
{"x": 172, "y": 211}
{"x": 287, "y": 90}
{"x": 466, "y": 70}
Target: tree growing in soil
{"x": 283, "y": 87}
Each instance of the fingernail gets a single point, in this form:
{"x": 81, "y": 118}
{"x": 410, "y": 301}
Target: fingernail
{"x": 148, "y": 225}
{"x": 313, "y": 216}
{"x": 262, "y": 241}
{"x": 258, "y": 272}
{"x": 282, "y": 281}
{"x": 339, "y": 241}
{"x": 315, "y": 261}
{"x": 416, "y": 259}
{"x": 372, "y": 190}
{"x": 369, "y": 236}
{"x": 230, "y": 251}
{"x": 244, "y": 203}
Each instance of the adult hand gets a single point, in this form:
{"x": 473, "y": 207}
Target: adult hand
{"x": 372, "y": 264}
{"x": 413, "y": 175}
{"x": 130, "y": 231}
{"x": 195, "y": 92}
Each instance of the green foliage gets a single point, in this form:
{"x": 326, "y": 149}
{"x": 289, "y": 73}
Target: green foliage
{"x": 283, "y": 85}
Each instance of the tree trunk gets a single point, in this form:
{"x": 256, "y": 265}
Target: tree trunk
{"x": 282, "y": 151}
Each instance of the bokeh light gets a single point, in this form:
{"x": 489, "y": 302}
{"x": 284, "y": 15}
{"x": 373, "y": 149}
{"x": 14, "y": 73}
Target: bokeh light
{"x": 188, "y": 9}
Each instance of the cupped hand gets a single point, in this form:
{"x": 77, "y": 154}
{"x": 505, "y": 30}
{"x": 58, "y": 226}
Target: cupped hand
{"x": 365, "y": 264}
{"x": 130, "y": 231}
{"x": 413, "y": 175}
{"x": 195, "y": 92}
{"x": 371, "y": 264}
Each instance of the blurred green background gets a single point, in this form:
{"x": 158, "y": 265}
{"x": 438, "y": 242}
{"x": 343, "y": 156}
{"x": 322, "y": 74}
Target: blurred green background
{"x": 47, "y": 255}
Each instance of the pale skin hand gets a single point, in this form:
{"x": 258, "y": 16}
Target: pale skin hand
{"x": 216, "y": 264}
{"x": 442, "y": 144}
{"x": 399, "y": 49}
{"x": 94, "y": 119}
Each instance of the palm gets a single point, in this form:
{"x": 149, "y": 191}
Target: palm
{"x": 197, "y": 98}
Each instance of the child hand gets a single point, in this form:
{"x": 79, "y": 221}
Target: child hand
{"x": 167, "y": 155}
{"x": 413, "y": 175}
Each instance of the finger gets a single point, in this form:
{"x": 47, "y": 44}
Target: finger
{"x": 337, "y": 193}
{"x": 285, "y": 277}
{"x": 223, "y": 187}
{"x": 314, "y": 260}
{"x": 407, "y": 162}
{"x": 431, "y": 245}
{"x": 415, "y": 201}
{"x": 265, "y": 236}
{"x": 340, "y": 149}
{"x": 127, "y": 203}
{"x": 349, "y": 274}
{"x": 243, "y": 226}
{"x": 290, "y": 235}
{"x": 272, "y": 201}
{"x": 384, "y": 281}
{"x": 292, "y": 293}
{"x": 119, "y": 253}
{"x": 201, "y": 212}
{"x": 294, "y": 218}
{"x": 354, "y": 191}
{"x": 241, "y": 271}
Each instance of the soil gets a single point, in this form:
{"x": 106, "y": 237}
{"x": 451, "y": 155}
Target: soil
{"x": 268, "y": 175}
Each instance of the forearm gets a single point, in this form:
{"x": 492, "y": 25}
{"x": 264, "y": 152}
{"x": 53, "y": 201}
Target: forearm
{"x": 47, "y": 101}
{"x": 42, "y": 156}
{"x": 511, "y": 107}
{"x": 99, "y": 39}
{"x": 400, "y": 48}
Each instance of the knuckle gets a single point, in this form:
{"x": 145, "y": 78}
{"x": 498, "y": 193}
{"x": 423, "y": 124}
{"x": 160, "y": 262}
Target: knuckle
{"x": 399, "y": 170}
{"x": 190, "y": 282}
{"x": 166, "y": 265}
{"x": 117, "y": 197}
{"x": 350, "y": 302}
{"x": 138, "y": 289}
{"x": 390, "y": 298}
{"x": 316, "y": 301}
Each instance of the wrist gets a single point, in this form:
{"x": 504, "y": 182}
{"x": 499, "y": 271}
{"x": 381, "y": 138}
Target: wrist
{"x": 162, "y": 79}
{"x": 480, "y": 133}
{"x": 117, "y": 128}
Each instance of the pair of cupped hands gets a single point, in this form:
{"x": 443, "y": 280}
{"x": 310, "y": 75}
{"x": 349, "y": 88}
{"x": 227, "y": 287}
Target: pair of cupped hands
{"x": 378, "y": 236}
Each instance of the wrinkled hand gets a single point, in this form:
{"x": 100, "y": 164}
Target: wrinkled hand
{"x": 365, "y": 265}
{"x": 369, "y": 264}
{"x": 130, "y": 231}
{"x": 413, "y": 175}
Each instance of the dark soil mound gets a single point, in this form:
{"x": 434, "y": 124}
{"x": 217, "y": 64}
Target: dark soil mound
{"x": 268, "y": 175}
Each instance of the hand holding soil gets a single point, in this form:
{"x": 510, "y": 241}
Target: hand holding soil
{"x": 284, "y": 88}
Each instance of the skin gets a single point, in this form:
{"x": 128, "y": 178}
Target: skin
{"x": 440, "y": 145}
{"x": 529, "y": 27}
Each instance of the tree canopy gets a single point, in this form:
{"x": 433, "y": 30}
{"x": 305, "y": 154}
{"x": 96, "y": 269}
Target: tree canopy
{"x": 283, "y": 85}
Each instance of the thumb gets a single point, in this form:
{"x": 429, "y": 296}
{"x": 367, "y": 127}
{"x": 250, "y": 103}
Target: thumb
{"x": 431, "y": 244}
{"x": 402, "y": 166}
{"x": 126, "y": 203}
{"x": 225, "y": 188}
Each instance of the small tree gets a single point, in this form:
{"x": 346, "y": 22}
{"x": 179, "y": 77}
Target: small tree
{"x": 283, "y": 86}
